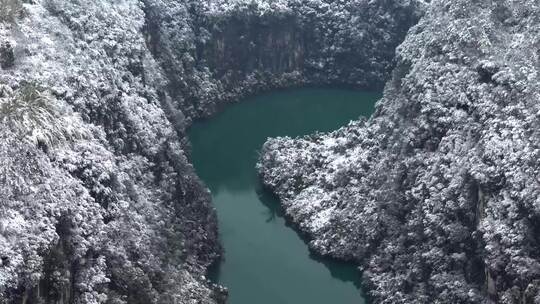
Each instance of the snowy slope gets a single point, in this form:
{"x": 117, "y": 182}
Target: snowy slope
{"x": 437, "y": 195}
{"x": 99, "y": 203}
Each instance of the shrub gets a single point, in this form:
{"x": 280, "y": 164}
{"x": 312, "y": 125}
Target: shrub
{"x": 10, "y": 10}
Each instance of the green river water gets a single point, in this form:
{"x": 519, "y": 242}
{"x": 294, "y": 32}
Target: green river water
{"x": 265, "y": 260}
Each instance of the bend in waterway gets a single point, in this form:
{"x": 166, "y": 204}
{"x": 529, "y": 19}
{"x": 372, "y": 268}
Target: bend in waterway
{"x": 266, "y": 261}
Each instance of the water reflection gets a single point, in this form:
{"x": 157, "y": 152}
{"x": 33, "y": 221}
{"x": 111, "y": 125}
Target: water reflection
{"x": 339, "y": 270}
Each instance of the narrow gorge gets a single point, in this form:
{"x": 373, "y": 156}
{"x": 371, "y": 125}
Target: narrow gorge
{"x": 435, "y": 197}
{"x": 264, "y": 260}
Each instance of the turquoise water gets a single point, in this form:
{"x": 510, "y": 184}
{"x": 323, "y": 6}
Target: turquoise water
{"x": 265, "y": 260}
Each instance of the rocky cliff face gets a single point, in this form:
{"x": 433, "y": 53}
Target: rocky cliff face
{"x": 437, "y": 195}
{"x": 229, "y": 49}
{"x": 99, "y": 203}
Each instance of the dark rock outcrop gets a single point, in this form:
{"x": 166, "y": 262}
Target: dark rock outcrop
{"x": 7, "y": 55}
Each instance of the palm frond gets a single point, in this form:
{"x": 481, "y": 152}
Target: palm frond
{"x": 33, "y": 114}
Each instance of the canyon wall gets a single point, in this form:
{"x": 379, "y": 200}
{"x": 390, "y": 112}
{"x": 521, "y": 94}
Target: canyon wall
{"x": 230, "y": 49}
{"x": 99, "y": 203}
{"x": 436, "y": 196}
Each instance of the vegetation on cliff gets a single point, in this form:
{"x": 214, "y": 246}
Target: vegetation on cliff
{"x": 99, "y": 203}
{"x": 437, "y": 195}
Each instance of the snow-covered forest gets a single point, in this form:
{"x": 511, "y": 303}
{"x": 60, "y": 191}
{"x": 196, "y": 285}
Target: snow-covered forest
{"x": 98, "y": 201}
{"x": 437, "y": 196}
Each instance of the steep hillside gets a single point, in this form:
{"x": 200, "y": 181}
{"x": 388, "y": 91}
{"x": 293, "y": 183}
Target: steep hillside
{"x": 437, "y": 195}
{"x": 99, "y": 203}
